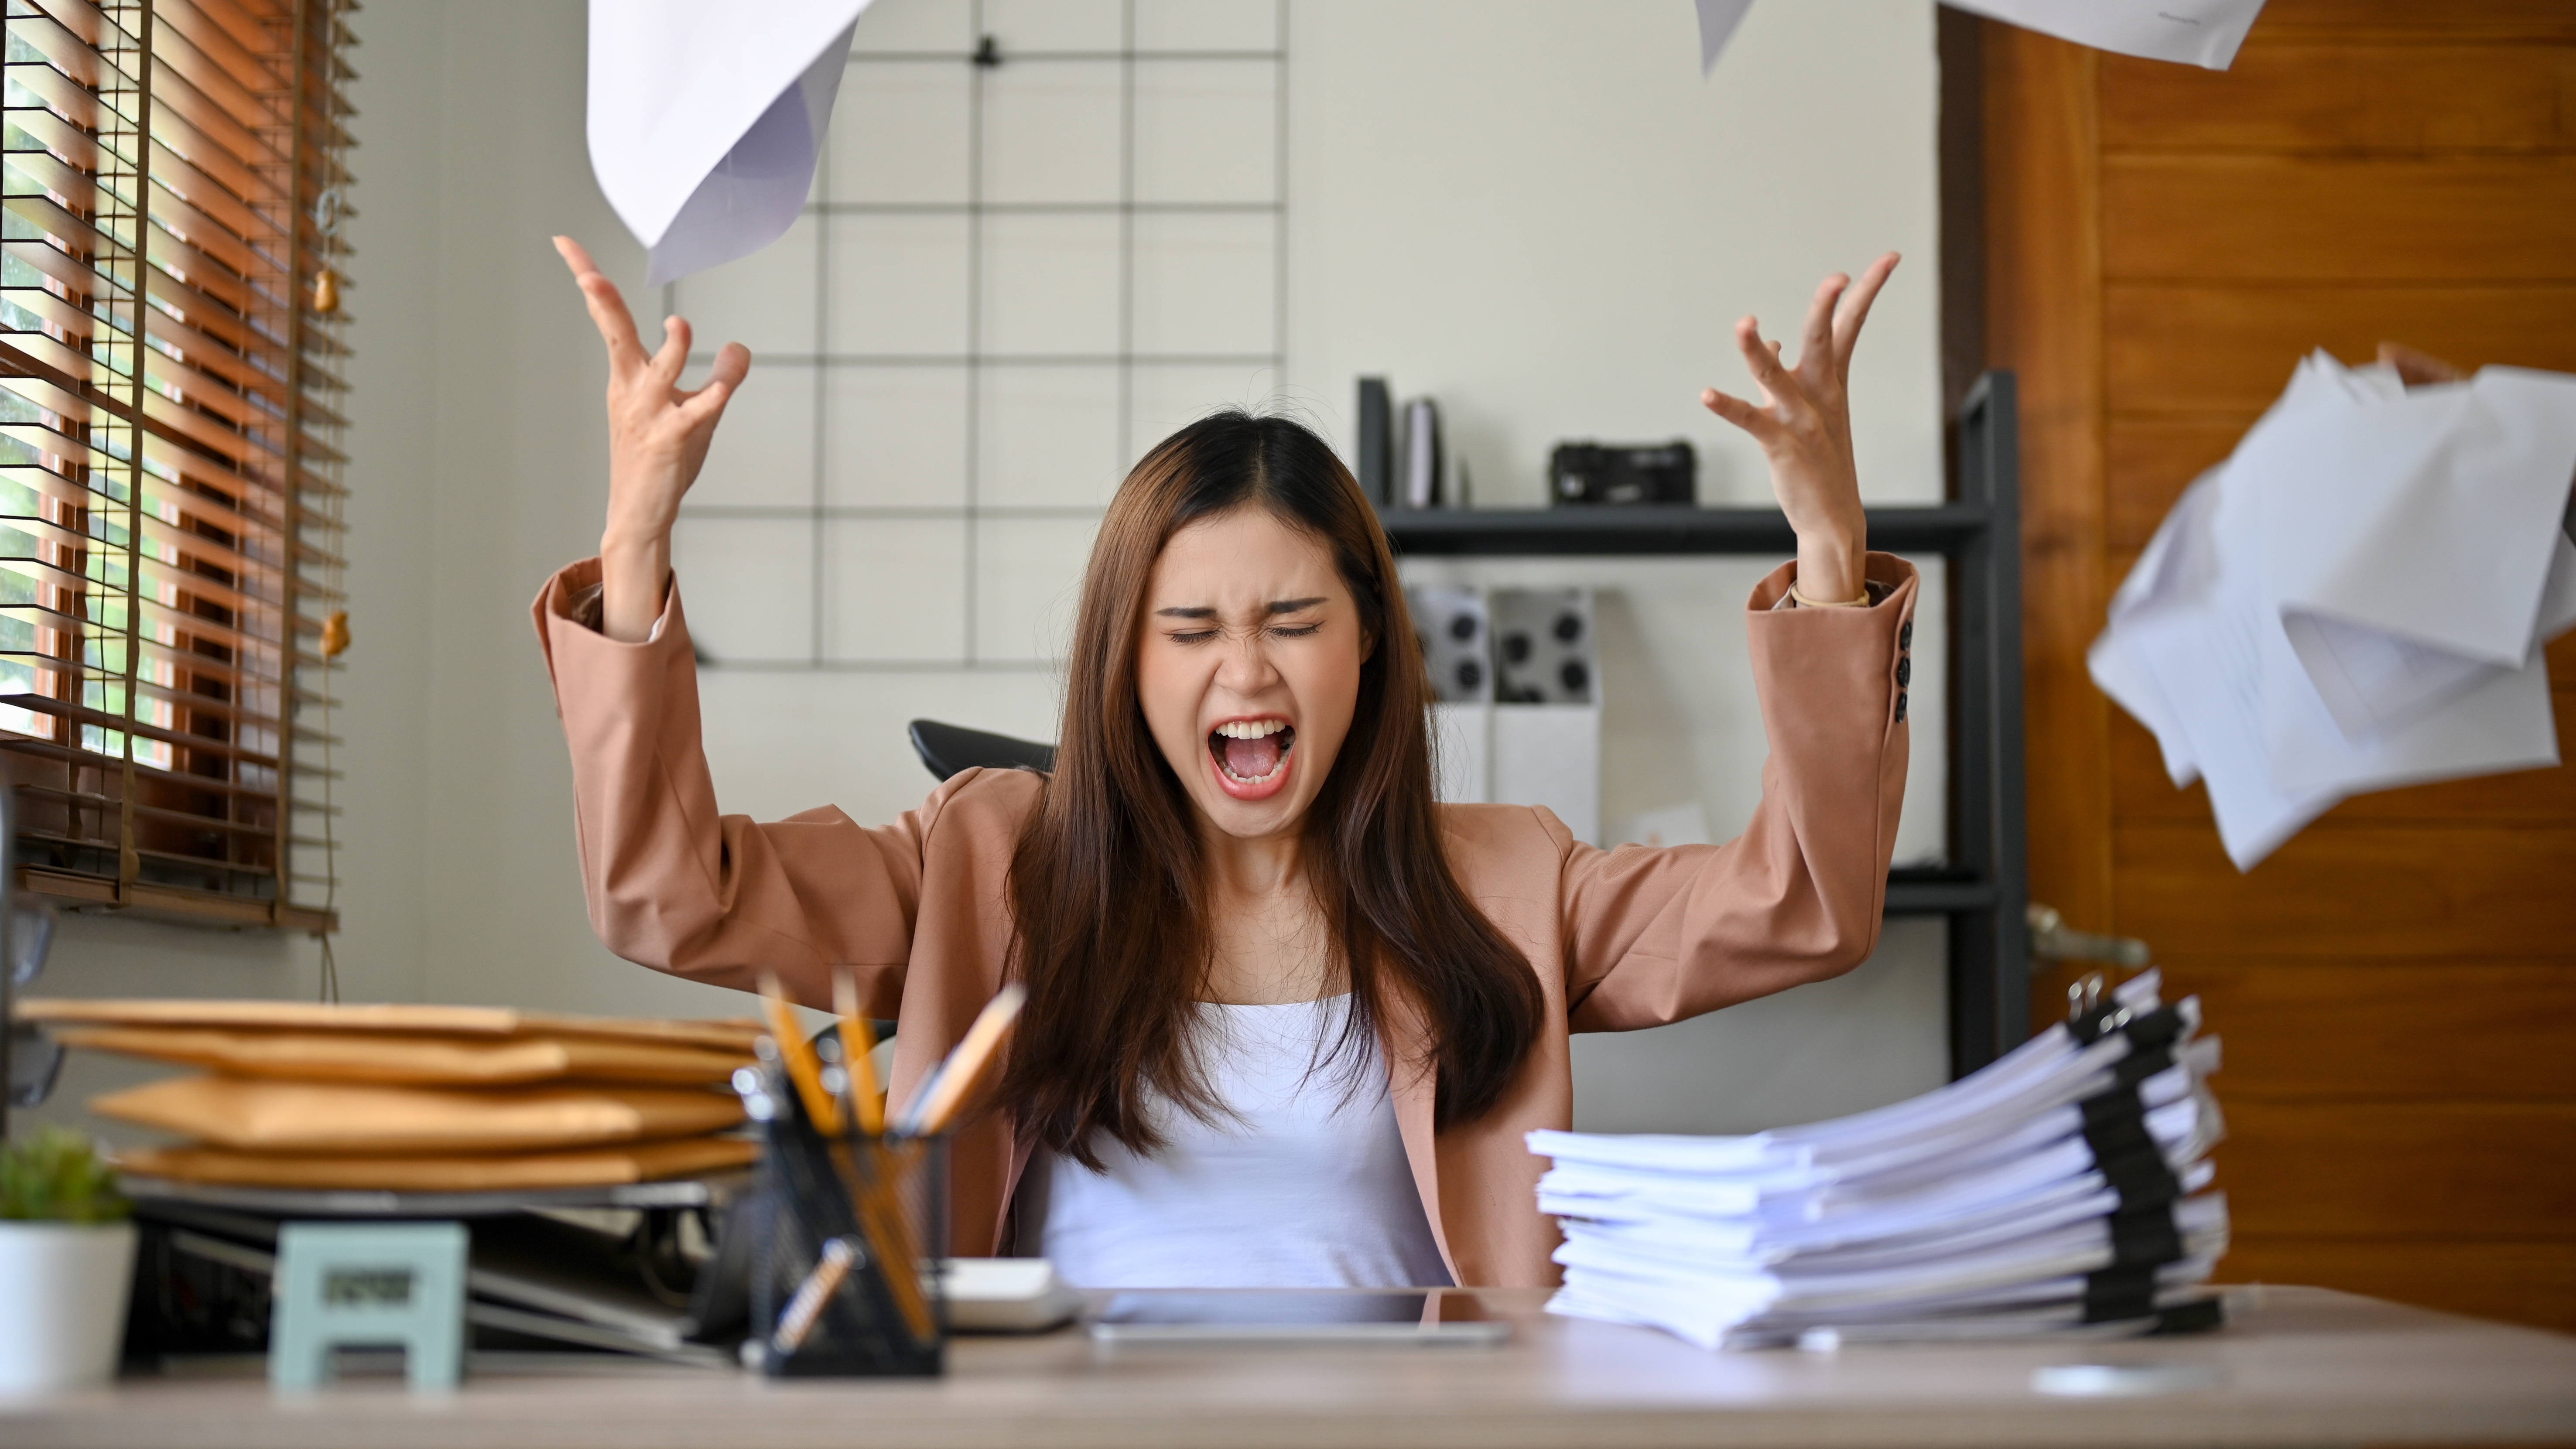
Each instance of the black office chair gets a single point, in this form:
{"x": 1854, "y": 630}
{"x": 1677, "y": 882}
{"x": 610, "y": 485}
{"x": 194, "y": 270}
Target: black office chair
{"x": 947, "y": 749}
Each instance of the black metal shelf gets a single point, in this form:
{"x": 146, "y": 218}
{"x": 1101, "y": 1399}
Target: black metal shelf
{"x": 1660, "y": 529}
{"x": 1985, "y": 891}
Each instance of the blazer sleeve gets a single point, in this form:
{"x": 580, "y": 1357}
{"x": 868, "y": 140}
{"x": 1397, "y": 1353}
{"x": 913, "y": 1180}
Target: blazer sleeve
{"x": 673, "y": 885}
{"x": 1658, "y": 934}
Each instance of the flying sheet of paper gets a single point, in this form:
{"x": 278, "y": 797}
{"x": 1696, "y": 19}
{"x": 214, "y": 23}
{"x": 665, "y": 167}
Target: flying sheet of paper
{"x": 2176, "y": 564}
{"x": 2204, "y": 33}
{"x": 2407, "y": 536}
{"x": 2204, "y": 649}
{"x": 2198, "y": 640}
{"x": 2192, "y": 32}
{"x": 705, "y": 124}
{"x": 1717, "y": 22}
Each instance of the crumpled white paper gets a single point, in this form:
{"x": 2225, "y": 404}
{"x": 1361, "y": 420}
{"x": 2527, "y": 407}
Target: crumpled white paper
{"x": 2357, "y": 598}
{"x": 705, "y": 121}
{"x": 2204, "y": 33}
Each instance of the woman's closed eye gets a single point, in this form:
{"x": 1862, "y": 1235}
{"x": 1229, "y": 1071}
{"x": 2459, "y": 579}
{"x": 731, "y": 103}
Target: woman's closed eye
{"x": 1275, "y": 631}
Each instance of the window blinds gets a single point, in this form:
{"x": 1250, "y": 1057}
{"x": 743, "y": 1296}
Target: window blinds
{"x": 171, "y": 362}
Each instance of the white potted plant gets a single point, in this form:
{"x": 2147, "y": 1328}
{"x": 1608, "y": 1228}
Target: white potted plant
{"x": 66, "y": 1264}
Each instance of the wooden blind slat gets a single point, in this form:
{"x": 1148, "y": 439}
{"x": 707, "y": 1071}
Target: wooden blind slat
{"x": 214, "y": 121}
{"x": 169, "y": 459}
{"x": 171, "y": 47}
{"x": 176, "y": 175}
{"x": 55, "y": 134}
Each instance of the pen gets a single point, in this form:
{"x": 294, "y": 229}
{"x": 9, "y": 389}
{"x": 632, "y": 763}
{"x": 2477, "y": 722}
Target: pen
{"x": 812, "y": 1294}
{"x": 936, "y": 1105}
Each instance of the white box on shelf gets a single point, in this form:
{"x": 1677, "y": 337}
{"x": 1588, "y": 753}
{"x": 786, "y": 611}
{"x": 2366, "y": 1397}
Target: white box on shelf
{"x": 1550, "y": 754}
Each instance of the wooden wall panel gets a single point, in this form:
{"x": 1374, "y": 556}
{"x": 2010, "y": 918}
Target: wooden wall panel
{"x": 2329, "y": 96}
{"x": 2299, "y": 1029}
{"x": 2527, "y": 1282}
{"x": 2408, "y": 219}
{"x": 2241, "y": 342}
{"x": 2042, "y": 209}
{"x": 2150, "y": 460}
{"x": 2453, "y": 1170}
{"x": 2431, "y": 891}
{"x": 2397, "y": 985}
{"x": 2362, "y": 21}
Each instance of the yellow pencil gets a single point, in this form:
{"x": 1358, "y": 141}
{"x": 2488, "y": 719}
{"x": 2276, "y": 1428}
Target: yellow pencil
{"x": 950, "y": 1088}
{"x": 858, "y": 1050}
{"x": 803, "y": 1068}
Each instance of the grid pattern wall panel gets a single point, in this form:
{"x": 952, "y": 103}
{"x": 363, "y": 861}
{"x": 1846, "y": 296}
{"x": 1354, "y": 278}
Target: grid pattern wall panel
{"x": 1043, "y": 234}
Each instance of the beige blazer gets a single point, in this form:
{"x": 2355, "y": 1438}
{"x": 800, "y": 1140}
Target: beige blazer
{"x": 1618, "y": 939}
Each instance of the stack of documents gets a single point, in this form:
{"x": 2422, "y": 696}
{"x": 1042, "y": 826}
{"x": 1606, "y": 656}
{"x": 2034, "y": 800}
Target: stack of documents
{"x": 416, "y": 1098}
{"x": 2062, "y": 1189}
{"x": 2357, "y": 598}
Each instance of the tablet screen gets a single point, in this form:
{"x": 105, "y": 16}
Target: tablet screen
{"x": 1216, "y": 1315}
{"x": 1207, "y": 1306}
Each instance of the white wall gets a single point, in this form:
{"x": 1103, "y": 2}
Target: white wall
{"x": 1538, "y": 212}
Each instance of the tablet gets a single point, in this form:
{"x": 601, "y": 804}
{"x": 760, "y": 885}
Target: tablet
{"x": 1191, "y": 1317}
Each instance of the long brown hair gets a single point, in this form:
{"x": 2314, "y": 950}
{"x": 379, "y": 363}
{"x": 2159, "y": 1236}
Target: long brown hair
{"x": 1109, "y": 886}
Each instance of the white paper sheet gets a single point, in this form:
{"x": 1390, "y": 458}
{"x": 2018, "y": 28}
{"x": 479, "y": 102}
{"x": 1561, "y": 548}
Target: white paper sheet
{"x": 705, "y": 122}
{"x": 2204, "y": 33}
{"x": 2430, "y": 517}
{"x": 2235, "y": 639}
{"x": 1717, "y": 22}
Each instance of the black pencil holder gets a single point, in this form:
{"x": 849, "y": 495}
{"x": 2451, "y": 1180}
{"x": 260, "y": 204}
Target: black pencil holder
{"x": 869, "y": 1214}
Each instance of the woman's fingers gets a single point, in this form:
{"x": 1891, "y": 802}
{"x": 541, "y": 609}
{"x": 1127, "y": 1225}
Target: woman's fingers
{"x": 706, "y": 405}
{"x": 1763, "y": 358}
{"x": 2416, "y": 367}
{"x": 1816, "y": 348}
{"x": 575, "y": 255}
{"x": 733, "y": 364}
{"x": 673, "y": 356}
{"x": 1743, "y": 414}
{"x": 607, "y": 309}
{"x": 1855, "y": 309}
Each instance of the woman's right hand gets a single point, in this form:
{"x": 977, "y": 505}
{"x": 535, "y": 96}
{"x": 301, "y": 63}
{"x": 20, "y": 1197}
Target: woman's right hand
{"x": 657, "y": 439}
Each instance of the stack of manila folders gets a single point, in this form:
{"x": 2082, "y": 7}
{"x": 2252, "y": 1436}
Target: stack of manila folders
{"x": 409, "y": 1098}
{"x": 2062, "y": 1190}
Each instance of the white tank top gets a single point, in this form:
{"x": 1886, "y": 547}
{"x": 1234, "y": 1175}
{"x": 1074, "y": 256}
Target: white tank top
{"x": 1306, "y": 1186}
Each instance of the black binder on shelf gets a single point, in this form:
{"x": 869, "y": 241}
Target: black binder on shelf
{"x": 1377, "y": 442}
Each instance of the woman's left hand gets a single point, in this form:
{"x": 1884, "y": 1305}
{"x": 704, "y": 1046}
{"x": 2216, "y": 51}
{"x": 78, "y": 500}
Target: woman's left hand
{"x": 1803, "y": 423}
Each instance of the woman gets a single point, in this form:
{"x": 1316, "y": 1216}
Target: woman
{"x": 1288, "y": 1019}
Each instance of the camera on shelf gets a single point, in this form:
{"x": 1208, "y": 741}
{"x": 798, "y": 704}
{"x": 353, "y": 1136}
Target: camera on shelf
{"x": 1611, "y": 473}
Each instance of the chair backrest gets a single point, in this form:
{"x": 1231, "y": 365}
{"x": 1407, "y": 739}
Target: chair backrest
{"x": 947, "y": 749}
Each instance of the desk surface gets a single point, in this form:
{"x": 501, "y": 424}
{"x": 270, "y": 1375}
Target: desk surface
{"x": 2306, "y": 1367}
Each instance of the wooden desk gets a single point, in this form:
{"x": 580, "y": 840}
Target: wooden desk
{"x": 2308, "y": 1368}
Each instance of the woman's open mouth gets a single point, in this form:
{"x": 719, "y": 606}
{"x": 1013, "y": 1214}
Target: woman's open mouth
{"x": 1251, "y": 756}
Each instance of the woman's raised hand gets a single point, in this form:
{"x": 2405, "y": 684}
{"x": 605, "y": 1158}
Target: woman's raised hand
{"x": 657, "y": 439}
{"x": 1803, "y": 423}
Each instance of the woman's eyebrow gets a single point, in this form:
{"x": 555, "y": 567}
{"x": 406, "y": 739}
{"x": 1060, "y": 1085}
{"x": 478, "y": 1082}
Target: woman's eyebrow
{"x": 1275, "y": 606}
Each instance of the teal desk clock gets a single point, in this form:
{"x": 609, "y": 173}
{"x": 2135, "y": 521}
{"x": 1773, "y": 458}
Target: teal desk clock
{"x": 368, "y": 1285}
